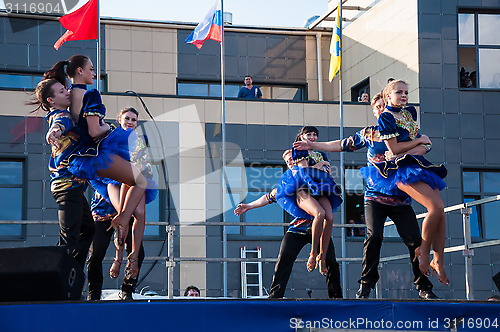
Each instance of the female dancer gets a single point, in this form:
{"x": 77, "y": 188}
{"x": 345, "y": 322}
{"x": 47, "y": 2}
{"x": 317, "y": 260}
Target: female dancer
{"x": 106, "y": 151}
{"x": 310, "y": 192}
{"x": 109, "y": 190}
{"x": 412, "y": 174}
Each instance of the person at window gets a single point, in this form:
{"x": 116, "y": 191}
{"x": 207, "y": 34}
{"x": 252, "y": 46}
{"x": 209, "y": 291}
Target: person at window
{"x": 473, "y": 77}
{"x": 103, "y": 212}
{"x": 365, "y": 97}
{"x": 105, "y": 150}
{"x": 192, "y": 291}
{"x": 412, "y": 174}
{"x": 75, "y": 221}
{"x": 310, "y": 192}
{"x": 296, "y": 237}
{"x": 249, "y": 91}
{"x": 379, "y": 206}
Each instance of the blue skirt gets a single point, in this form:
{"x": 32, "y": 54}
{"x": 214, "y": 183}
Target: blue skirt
{"x": 317, "y": 182}
{"x": 94, "y": 156}
{"x": 384, "y": 177}
{"x": 101, "y": 186}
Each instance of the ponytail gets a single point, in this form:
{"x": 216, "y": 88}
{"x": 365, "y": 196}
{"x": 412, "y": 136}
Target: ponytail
{"x": 57, "y": 72}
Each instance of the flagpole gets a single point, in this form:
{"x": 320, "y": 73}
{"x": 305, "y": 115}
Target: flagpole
{"x": 223, "y": 129}
{"x": 342, "y": 172}
{"x": 98, "y": 65}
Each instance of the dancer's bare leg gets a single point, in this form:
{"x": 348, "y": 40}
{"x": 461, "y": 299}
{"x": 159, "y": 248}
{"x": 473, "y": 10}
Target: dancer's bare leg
{"x": 326, "y": 233}
{"x": 311, "y": 206}
{"x": 433, "y": 231}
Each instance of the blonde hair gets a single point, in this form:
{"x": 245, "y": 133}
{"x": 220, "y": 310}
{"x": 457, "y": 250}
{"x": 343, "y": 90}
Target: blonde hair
{"x": 390, "y": 87}
{"x": 286, "y": 152}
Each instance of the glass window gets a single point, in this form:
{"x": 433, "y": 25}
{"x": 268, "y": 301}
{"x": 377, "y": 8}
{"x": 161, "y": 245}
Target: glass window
{"x": 489, "y": 67}
{"x": 488, "y": 29}
{"x": 192, "y": 89}
{"x": 11, "y": 197}
{"x": 478, "y": 57}
{"x": 155, "y": 210}
{"x": 471, "y": 181}
{"x": 256, "y": 181}
{"x": 466, "y": 34}
{"x": 354, "y": 201}
{"x": 484, "y": 219}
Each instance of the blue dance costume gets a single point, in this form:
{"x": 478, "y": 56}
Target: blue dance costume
{"x": 317, "y": 182}
{"x": 97, "y": 154}
{"x": 139, "y": 159}
{"x": 384, "y": 176}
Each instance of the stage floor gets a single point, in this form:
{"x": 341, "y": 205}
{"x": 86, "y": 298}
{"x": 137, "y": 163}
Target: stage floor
{"x": 197, "y": 314}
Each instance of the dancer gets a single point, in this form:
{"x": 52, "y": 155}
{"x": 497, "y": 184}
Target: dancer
{"x": 109, "y": 190}
{"x": 412, "y": 174}
{"x": 310, "y": 192}
{"x": 296, "y": 237}
{"x": 75, "y": 222}
{"x": 379, "y": 206}
{"x": 103, "y": 213}
{"x": 105, "y": 151}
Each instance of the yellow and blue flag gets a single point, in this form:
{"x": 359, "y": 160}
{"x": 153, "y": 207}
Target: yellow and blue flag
{"x": 335, "y": 47}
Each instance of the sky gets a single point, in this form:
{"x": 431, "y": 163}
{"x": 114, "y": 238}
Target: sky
{"x": 269, "y": 13}
{"x": 282, "y": 13}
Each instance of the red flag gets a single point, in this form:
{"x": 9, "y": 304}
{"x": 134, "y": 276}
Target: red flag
{"x": 81, "y": 24}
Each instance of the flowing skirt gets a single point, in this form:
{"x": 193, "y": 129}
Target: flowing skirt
{"x": 384, "y": 177}
{"x": 317, "y": 182}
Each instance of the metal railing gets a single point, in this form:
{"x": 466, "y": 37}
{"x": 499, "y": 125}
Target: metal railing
{"x": 467, "y": 248}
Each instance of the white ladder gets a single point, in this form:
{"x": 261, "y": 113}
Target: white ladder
{"x": 251, "y": 274}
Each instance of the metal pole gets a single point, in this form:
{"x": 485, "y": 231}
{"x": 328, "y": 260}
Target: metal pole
{"x": 170, "y": 263}
{"x": 342, "y": 177}
{"x": 468, "y": 253}
{"x": 320, "y": 66}
{"x": 223, "y": 129}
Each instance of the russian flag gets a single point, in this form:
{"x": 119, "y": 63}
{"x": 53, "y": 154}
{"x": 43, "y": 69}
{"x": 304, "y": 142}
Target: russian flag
{"x": 209, "y": 28}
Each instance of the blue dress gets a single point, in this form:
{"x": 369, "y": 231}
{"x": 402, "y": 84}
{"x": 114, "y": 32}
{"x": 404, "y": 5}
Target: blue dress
{"x": 317, "y": 182}
{"x": 95, "y": 155}
{"x": 384, "y": 176}
{"x": 139, "y": 159}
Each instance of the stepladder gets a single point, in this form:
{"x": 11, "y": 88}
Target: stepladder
{"x": 251, "y": 273}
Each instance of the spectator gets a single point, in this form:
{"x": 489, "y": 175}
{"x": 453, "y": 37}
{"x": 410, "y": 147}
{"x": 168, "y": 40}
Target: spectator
{"x": 249, "y": 91}
{"x": 192, "y": 291}
{"x": 365, "y": 97}
{"x": 494, "y": 298}
{"x": 390, "y": 79}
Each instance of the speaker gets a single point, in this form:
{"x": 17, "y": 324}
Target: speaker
{"x": 39, "y": 274}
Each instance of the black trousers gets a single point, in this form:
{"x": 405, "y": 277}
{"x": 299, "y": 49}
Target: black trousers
{"x": 98, "y": 249}
{"x": 407, "y": 227}
{"x": 75, "y": 222}
{"x": 291, "y": 245}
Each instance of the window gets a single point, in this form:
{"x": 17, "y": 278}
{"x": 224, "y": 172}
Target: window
{"x": 479, "y": 184}
{"x": 359, "y": 89}
{"x": 246, "y": 184}
{"x": 354, "y": 201}
{"x": 479, "y": 50}
{"x": 204, "y": 89}
{"x": 11, "y": 197}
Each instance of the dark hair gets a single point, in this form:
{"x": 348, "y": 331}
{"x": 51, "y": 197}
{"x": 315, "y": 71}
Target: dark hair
{"x": 42, "y": 92}
{"x": 305, "y": 130}
{"x": 59, "y": 73}
{"x": 248, "y": 76}
{"x": 188, "y": 288}
{"x": 125, "y": 110}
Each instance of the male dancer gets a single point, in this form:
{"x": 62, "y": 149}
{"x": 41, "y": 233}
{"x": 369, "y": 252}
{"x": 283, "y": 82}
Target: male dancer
{"x": 379, "y": 206}
{"x": 296, "y": 237}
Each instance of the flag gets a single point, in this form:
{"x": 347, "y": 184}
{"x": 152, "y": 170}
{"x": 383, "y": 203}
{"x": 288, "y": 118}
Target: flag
{"x": 209, "y": 28}
{"x": 335, "y": 47}
{"x": 81, "y": 24}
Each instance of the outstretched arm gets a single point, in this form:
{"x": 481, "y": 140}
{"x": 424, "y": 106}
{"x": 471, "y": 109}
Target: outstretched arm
{"x": 260, "y": 202}
{"x": 331, "y": 146}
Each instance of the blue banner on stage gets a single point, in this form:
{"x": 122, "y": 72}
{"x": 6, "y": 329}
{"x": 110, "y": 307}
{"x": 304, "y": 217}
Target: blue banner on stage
{"x": 250, "y": 315}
